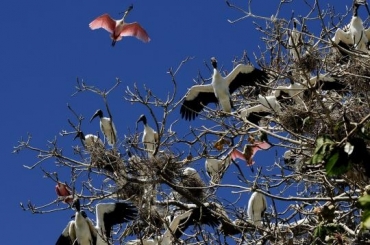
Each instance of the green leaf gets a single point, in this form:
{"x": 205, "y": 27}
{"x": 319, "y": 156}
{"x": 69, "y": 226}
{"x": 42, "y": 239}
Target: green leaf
{"x": 364, "y": 202}
{"x": 366, "y": 218}
{"x": 337, "y": 162}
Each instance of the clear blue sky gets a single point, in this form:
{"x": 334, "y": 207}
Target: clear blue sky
{"x": 45, "y": 45}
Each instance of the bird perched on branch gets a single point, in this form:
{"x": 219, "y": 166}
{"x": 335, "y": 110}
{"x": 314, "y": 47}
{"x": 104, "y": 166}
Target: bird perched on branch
{"x": 220, "y": 89}
{"x": 107, "y": 127}
{"x": 356, "y": 35}
{"x": 64, "y": 193}
{"x": 81, "y": 231}
{"x": 119, "y": 28}
{"x": 150, "y": 136}
{"x": 295, "y": 41}
{"x": 256, "y": 208}
{"x": 90, "y": 141}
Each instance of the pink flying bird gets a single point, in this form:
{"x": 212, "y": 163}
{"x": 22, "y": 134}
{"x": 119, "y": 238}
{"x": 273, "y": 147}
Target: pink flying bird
{"x": 249, "y": 151}
{"x": 64, "y": 192}
{"x": 119, "y": 28}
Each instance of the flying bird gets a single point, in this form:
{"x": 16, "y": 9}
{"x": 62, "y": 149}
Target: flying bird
{"x": 220, "y": 89}
{"x": 256, "y": 208}
{"x": 107, "y": 127}
{"x": 267, "y": 105}
{"x": 250, "y": 150}
{"x": 64, "y": 192}
{"x": 68, "y": 235}
{"x": 356, "y": 35}
{"x": 150, "y": 136}
{"x": 119, "y": 28}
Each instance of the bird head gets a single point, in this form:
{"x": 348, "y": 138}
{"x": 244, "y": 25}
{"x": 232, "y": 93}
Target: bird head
{"x": 127, "y": 11}
{"x": 295, "y": 22}
{"x": 142, "y": 118}
{"x": 97, "y": 113}
{"x": 80, "y": 135}
{"x": 76, "y": 204}
{"x": 214, "y": 62}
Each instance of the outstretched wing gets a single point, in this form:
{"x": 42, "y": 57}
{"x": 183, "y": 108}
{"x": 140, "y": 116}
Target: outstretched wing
{"x": 197, "y": 97}
{"x": 245, "y": 75}
{"x": 103, "y": 21}
{"x": 135, "y": 30}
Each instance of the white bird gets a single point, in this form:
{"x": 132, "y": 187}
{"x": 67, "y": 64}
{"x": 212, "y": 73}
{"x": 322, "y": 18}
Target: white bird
{"x": 107, "y": 127}
{"x": 293, "y": 90}
{"x": 90, "y": 141}
{"x": 150, "y": 136}
{"x": 119, "y": 28}
{"x": 81, "y": 231}
{"x": 267, "y": 105}
{"x": 220, "y": 89}
{"x": 295, "y": 41}
{"x": 215, "y": 168}
{"x": 166, "y": 238}
{"x": 68, "y": 235}
{"x": 256, "y": 207}
{"x": 356, "y": 35}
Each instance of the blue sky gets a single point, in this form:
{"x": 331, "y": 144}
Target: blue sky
{"x": 46, "y": 45}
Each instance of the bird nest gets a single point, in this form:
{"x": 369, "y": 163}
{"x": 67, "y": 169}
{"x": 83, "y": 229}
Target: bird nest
{"x": 297, "y": 119}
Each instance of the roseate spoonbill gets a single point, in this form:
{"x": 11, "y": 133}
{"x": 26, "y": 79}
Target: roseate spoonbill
{"x": 107, "y": 127}
{"x": 250, "y": 150}
{"x": 150, "y": 136}
{"x": 119, "y": 28}
{"x": 220, "y": 89}
{"x": 64, "y": 192}
{"x": 256, "y": 208}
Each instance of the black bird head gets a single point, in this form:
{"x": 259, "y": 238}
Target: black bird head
{"x": 214, "y": 62}
{"x": 80, "y": 135}
{"x": 97, "y": 113}
{"x": 76, "y": 204}
{"x": 142, "y": 118}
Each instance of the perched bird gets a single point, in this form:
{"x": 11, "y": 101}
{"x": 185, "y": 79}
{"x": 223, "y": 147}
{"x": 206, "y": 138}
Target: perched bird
{"x": 150, "y": 136}
{"x": 81, "y": 231}
{"x": 64, "y": 192}
{"x": 295, "y": 41}
{"x": 107, "y": 127}
{"x": 119, "y": 28}
{"x": 356, "y": 35}
{"x": 294, "y": 91}
{"x": 85, "y": 231}
{"x": 220, "y": 89}
{"x": 215, "y": 168}
{"x": 250, "y": 150}
{"x": 193, "y": 183}
{"x": 256, "y": 208}
{"x": 90, "y": 141}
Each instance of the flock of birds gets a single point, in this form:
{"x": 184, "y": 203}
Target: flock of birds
{"x": 81, "y": 230}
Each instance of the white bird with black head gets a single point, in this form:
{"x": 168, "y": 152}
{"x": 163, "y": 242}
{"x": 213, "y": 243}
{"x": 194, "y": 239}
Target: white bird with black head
{"x": 107, "y": 127}
{"x": 90, "y": 141}
{"x": 81, "y": 231}
{"x": 150, "y": 136}
{"x": 220, "y": 90}
{"x": 356, "y": 35}
{"x": 295, "y": 41}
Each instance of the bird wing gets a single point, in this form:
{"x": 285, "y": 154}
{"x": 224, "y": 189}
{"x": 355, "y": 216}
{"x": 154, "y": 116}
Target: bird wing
{"x": 167, "y": 235}
{"x": 115, "y": 213}
{"x": 103, "y": 21}
{"x": 135, "y": 30}
{"x": 235, "y": 154}
{"x": 245, "y": 75}
{"x": 66, "y": 238}
{"x": 195, "y": 100}
{"x": 367, "y": 33}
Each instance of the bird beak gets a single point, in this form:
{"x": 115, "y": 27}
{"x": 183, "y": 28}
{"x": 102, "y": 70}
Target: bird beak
{"x": 95, "y": 115}
{"x": 128, "y": 10}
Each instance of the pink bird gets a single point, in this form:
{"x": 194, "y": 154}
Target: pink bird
{"x": 63, "y": 192}
{"x": 118, "y": 28}
{"x": 249, "y": 151}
